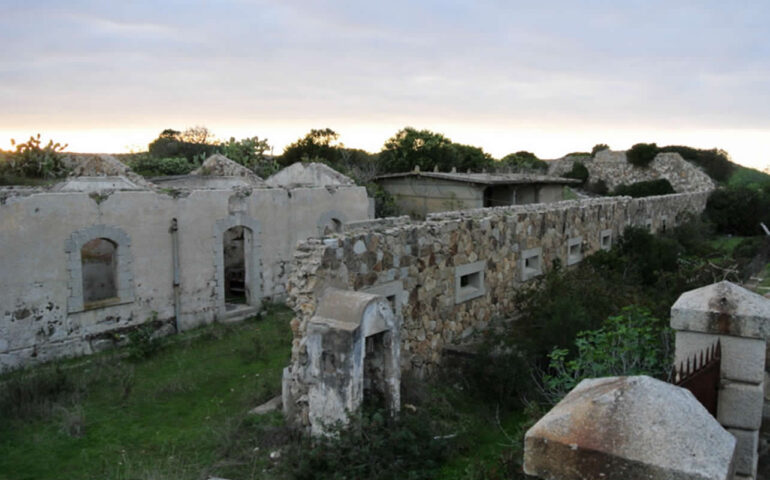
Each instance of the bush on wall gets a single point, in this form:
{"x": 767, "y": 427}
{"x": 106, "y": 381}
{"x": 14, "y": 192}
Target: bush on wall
{"x": 645, "y": 189}
{"x": 642, "y": 154}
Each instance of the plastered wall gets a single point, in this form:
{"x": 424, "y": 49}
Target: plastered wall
{"x": 42, "y": 315}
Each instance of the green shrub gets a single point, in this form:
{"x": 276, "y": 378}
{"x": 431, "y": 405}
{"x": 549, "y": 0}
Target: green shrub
{"x": 150, "y": 166}
{"x": 598, "y": 187}
{"x": 384, "y": 203}
{"x": 739, "y": 211}
{"x": 631, "y": 343}
{"x": 598, "y": 148}
{"x": 716, "y": 163}
{"x": 645, "y": 189}
{"x": 642, "y": 154}
{"x": 172, "y": 143}
{"x": 524, "y": 161}
{"x": 142, "y": 343}
{"x": 31, "y": 160}
{"x": 579, "y": 172}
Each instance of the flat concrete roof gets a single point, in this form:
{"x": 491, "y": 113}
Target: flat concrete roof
{"x": 485, "y": 178}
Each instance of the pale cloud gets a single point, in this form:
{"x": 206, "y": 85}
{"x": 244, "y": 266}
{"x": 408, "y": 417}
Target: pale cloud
{"x": 481, "y": 65}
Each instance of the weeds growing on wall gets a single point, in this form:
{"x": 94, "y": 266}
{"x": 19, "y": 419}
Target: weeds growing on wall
{"x": 32, "y": 160}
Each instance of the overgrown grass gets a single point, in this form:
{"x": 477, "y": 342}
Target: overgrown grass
{"x": 172, "y": 415}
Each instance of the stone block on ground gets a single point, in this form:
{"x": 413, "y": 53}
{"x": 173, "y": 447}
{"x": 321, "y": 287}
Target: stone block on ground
{"x": 628, "y": 427}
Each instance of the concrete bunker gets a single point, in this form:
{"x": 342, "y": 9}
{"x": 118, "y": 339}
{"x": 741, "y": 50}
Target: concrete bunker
{"x": 353, "y": 350}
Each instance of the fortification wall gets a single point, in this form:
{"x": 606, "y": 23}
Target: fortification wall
{"x": 614, "y": 169}
{"x": 451, "y": 274}
{"x": 43, "y": 312}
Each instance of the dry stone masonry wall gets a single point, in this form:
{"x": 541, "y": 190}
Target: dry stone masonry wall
{"x": 451, "y": 275}
{"x": 614, "y": 169}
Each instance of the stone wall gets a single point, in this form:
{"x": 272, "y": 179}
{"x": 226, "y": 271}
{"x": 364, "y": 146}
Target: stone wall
{"x": 43, "y": 313}
{"x": 453, "y": 273}
{"x": 614, "y": 169}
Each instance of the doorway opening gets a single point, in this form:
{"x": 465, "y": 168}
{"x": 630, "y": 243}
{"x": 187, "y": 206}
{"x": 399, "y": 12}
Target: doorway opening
{"x": 375, "y": 386}
{"x": 234, "y": 246}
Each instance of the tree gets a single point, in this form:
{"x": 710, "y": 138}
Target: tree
{"x": 524, "y": 161}
{"x": 193, "y": 144}
{"x": 250, "y": 152}
{"x": 197, "y": 134}
{"x": 316, "y": 145}
{"x": 410, "y": 147}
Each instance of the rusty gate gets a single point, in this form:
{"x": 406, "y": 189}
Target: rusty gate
{"x": 700, "y": 375}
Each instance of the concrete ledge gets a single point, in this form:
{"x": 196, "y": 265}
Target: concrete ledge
{"x": 740, "y": 405}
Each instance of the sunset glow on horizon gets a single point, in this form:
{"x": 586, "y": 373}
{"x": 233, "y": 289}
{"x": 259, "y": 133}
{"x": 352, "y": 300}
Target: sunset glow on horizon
{"x": 503, "y": 76}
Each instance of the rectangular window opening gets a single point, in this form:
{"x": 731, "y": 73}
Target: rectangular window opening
{"x": 469, "y": 281}
{"x": 531, "y": 264}
{"x": 605, "y": 239}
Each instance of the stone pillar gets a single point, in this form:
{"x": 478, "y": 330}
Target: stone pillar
{"x": 740, "y": 320}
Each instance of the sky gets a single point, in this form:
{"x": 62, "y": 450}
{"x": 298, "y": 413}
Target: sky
{"x": 551, "y": 77}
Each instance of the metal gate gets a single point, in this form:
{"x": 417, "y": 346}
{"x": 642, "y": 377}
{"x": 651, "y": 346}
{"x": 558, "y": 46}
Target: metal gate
{"x": 700, "y": 375}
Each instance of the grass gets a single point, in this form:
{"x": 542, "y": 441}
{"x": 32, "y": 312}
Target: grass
{"x": 172, "y": 415}
{"x": 725, "y": 244}
{"x": 178, "y": 410}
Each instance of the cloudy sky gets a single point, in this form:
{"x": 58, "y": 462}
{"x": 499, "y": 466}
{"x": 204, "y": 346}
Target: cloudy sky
{"x": 550, "y": 76}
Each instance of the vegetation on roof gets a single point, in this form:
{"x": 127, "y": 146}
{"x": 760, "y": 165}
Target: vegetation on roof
{"x": 32, "y": 163}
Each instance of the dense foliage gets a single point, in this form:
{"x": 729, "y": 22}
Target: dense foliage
{"x": 318, "y": 145}
{"x": 524, "y": 162}
{"x": 631, "y": 343}
{"x": 642, "y": 154}
{"x": 578, "y": 172}
{"x": 410, "y": 147}
{"x": 715, "y": 162}
{"x": 33, "y": 160}
{"x": 645, "y": 189}
{"x": 149, "y": 166}
{"x": 739, "y": 210}
{"x": 194, "y": 144}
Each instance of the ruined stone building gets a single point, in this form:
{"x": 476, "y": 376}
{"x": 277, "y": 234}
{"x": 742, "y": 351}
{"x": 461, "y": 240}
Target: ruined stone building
{"x": 420, "y": 193}
{"x": 106, "y": 250}
{"x": 444, "y": 279}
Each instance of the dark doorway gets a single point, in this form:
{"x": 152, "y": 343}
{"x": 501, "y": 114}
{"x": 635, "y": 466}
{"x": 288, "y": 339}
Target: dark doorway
{"x": 375, "y": 388}
{"x": 234, "y": 241}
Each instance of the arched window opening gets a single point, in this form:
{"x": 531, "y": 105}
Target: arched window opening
{"x": 334, "y": 225}
{"x": 99, "y": 268}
